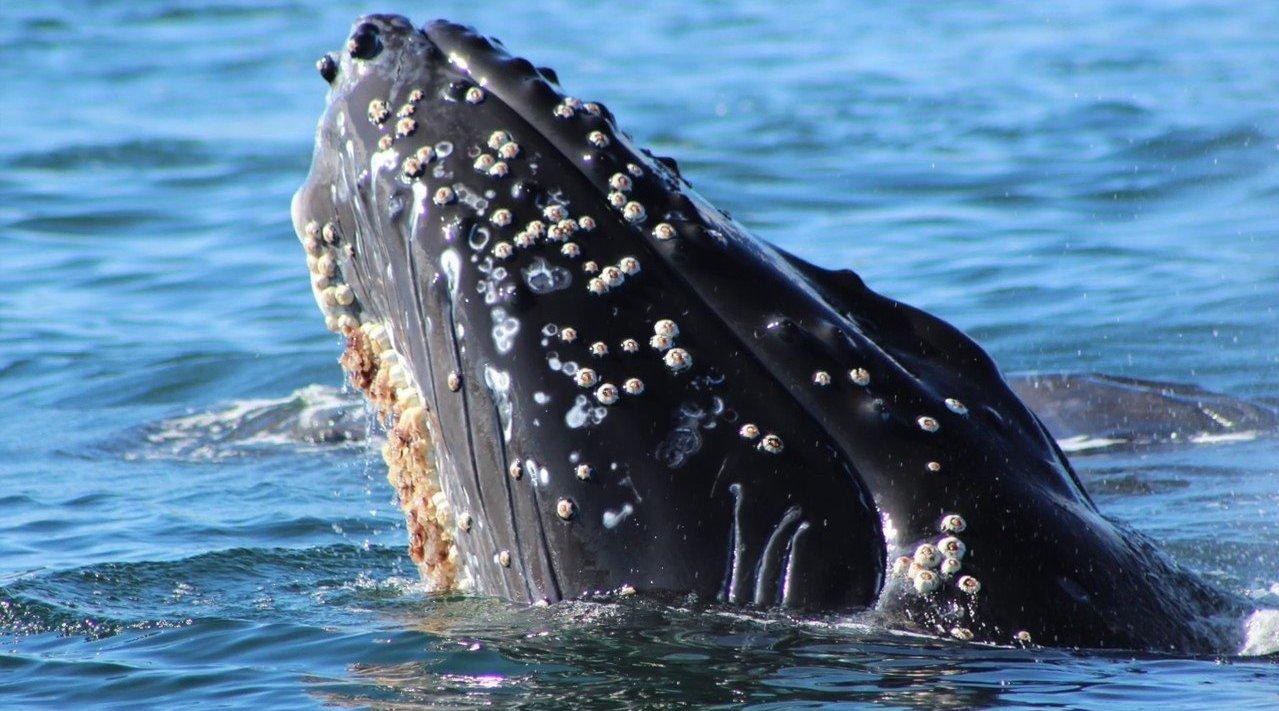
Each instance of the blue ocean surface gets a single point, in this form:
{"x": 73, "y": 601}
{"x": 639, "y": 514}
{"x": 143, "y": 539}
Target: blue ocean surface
{"x": 1083, "y": 187}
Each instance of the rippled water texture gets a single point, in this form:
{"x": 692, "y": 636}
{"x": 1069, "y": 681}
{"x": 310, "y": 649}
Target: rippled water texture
{"x": 1084, "y": 186}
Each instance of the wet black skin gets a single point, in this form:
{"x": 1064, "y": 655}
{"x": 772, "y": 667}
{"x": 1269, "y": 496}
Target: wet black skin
{"x": 813, "y": 527}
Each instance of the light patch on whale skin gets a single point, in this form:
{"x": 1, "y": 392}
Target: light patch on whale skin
{"x": 505, "y": 327}
{"x": 584, "y": 414}
{"x": 612, "y": 518}
{"x": 544, "y": 278}
{"x": 499, "y": 384}
{"x": 451, "y": 263}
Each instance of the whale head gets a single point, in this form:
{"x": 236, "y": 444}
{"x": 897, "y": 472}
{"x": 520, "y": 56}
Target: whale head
{"x": 569, "y": 416}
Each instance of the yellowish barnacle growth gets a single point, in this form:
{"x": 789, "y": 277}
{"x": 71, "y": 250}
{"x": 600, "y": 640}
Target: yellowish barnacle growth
{"x": 405, "y": 127}
{"x": 378, "y": 111}
{"x": 374, "y": 368}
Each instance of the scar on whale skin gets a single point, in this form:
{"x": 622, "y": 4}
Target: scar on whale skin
{"x": 823, "y": 430}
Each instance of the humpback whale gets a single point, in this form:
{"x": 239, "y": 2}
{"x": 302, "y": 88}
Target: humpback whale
{"x": 596, "y": 383}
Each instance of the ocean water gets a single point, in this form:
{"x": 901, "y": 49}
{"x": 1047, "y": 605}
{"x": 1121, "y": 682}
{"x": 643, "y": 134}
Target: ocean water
{"x": 1083, "y": 187}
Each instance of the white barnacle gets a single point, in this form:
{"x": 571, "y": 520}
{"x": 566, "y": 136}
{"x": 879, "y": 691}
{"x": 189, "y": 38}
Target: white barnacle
{"x": 926, "y": 555}
{"x": 498, "y": 138}
{"x": 516, "y": 470}
{"x": 590, "y": 267}
{"x": 413, "y": 168}
{"x": 568, "y": 334}
{"x": 1022, "y": 636}
{"x": 585, "y": 378}
{"x": 556, "y": 232}
{"x": 563, "y": 110}
{"x": 634, "y": 169}
{"x": 425, "y": 154}
{"x": 583, "y": 472}
{"x": 969, "y": 584}
{"x": 771, "y": 444}
{"x": 606, "y": 393}
{"x": 572, "y": 102}
{"x": 499, "y": 169}
{"x": 537, "y": 228}
{"x": 612, "y": 276}
{"x": 952, "y": 547}
{"x": 444, "y": 196}
{"x": 567, "y": 227}
{"x": 630, "y": 345}
{"x": 678, "y": 359}
{"x": 620, "y": 182}
{"x": 633, "y": 212}
{"x": 483, "y": 162}
{"x": 503, "y": 250}
{"x": 593, "y": 108}
{"x": 415, "y": 95}
{"x": 956, "y": 406}
{"x": 571, "y": 250}
{"x": 748, "y": 431}
{"x": 504, "y": 559}
{"x": 509, "y": 150}
{"x": 859, "y": 376}
{"x": 629, "y": 265}
{"x": 554, "y": 213}
{"x": 952, "y": 523}
{"x": 961, "y": 633}
{"x": 326, "y": 265}
{"x": 633, "y": 386}
{"x": 524, "y": 239}
{"x": 950, "y": 566}
{"x": 599, "y": 349}
{"x": 406, "y": 110}
{"x": 596, "y": 286}
{"x": 663, "y": 231}
{"x": 617, "y": 199}
{"x": 454, "y": 381}
{"x": 901, "y": 566}
{"x": 343, "y": 295}
{"x": 565, "y": 508}
{"x": 821, "y": 378}
{"x": 660, "y": 342}
{"x": 378, "y": 111}
{"x": 666, "y": 327}
{"x": 312, "y": 229}
{"x": 385, "y": 142}
{"x": 933, "y": 466}
{"x": 474, "y": 95}
{"x": 928, "y": 424}
{"x": 586, "y": 223}
{"x": 405, "y": 127}
{"x": 465, "y": 522}
{"x": 597, "y": 139}
{"x": 501, "y": 217}
{"x": 926, "y": 581}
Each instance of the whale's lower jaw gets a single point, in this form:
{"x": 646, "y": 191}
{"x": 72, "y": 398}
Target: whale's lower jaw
{"x": 374, "y": 366}
{"x": 595, "y": 381}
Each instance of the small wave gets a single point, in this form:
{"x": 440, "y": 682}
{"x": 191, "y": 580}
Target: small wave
{"x": 312, "y": 416}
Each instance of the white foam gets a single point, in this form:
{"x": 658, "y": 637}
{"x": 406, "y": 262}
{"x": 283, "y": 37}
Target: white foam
{"x": 1206, "y": 438}
{"x": 1083, "y": 443}
{"x": 1261, "y": 633}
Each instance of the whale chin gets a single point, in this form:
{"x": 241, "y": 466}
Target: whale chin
{"x": 596, "y": 382}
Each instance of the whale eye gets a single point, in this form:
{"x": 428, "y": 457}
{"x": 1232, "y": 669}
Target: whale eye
{"x": 327, "y": 67}
{"x": 365, "y": 42}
